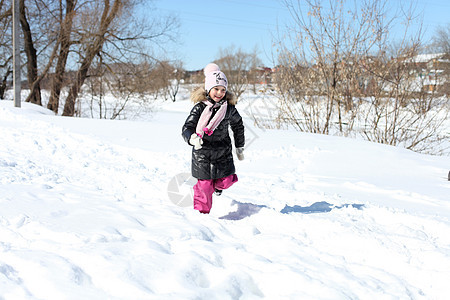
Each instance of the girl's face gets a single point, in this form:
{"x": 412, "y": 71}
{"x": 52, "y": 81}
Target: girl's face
{"x": 217, "y": 93}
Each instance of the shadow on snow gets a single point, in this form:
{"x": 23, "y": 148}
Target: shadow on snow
{"x": 247, "y": 209}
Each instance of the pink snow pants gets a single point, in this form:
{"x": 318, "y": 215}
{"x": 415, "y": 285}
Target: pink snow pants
{"x": 204, "y": 189}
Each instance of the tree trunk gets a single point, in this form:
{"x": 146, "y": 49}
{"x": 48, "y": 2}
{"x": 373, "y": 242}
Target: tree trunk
{"x": 35, "y": 89}
{"x": 91, "y": 51}
{"x": 3, "y": 83}
{"x": 65, "y": 42}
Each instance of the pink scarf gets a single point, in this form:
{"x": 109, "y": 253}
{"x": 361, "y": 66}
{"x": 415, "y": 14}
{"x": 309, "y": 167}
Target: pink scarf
{"x": 203, "y": 126}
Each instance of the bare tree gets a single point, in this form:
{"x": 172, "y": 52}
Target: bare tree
{"x": 92, "y": 48}
{"x": 5, "y": 45}
{"x": 159, "y": 79}
{"x": 31, "y": 53}
{"x": 36, "y": 20}
{"x": 399, "y": 111}
{"x": 3, "y": 83}
{"x": 120, "y": 90}
{"x": 118, "y": 37}
{"x": 169, "y": 77}
{"x": 130, "y": 86}
{"x": 237, "y": 64}
{"x": 328, "y": 43}
{"x": 340, "y": 74}
{"x": 64, "y": 43}
{"x": 441, "y": 40}
{"x": 441, "y": 44}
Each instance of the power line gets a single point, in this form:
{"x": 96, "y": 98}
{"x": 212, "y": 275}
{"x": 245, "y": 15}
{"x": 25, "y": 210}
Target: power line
{"x": 225, "y": 24}
{"x": 256, "y": 4}
{"x": 246, "y": 21}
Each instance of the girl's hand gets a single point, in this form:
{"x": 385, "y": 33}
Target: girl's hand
{"x": 196, "y": 141}
{"x": 240, "y": 153}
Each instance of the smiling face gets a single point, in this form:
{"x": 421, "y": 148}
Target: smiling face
{"x": 217, "y": 93}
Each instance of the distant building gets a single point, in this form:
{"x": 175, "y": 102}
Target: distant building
{"x": 433, "y": 71}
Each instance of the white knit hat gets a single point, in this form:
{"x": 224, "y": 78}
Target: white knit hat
{"x": 214, "y": 77}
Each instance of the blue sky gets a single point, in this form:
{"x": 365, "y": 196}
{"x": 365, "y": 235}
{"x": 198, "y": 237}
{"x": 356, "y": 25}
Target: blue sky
{"x": 209, "y": 25}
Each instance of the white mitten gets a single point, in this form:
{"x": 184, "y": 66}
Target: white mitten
{"x": 240, "y": 153}
{"x": 196, "y": 141}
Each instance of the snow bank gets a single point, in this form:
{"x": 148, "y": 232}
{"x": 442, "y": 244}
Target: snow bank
{"x": 85, "y": 214}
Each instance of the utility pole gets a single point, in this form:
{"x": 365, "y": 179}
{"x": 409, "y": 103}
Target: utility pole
{"x": 16, "y": 54}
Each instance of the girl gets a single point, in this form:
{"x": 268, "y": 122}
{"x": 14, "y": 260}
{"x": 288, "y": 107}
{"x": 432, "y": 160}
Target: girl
{"x": 206, "y": 129}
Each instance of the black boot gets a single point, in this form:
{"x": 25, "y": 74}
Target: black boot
{"x": 217, "y": 192}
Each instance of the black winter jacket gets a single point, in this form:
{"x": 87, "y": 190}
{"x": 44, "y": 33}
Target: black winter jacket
{"x": 215, "y": 159}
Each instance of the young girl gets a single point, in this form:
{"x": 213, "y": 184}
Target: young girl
{"x": 206, "y": 129}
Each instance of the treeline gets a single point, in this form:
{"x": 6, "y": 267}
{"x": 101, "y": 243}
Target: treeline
{"x": 70, "y": 44}
{"x": 342, "y": 71}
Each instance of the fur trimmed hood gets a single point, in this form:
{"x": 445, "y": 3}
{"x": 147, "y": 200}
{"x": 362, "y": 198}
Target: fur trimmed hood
{"x": 199, "y": 94}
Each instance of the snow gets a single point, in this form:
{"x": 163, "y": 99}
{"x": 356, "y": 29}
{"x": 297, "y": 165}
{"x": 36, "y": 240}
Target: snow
{"x": 423, "y": 58}
{"x": 85, "y": 213}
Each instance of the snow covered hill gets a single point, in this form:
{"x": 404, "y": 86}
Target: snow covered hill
{"x": 85, "y": 214}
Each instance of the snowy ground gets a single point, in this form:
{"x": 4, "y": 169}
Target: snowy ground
{"x": 85, "y": 214}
